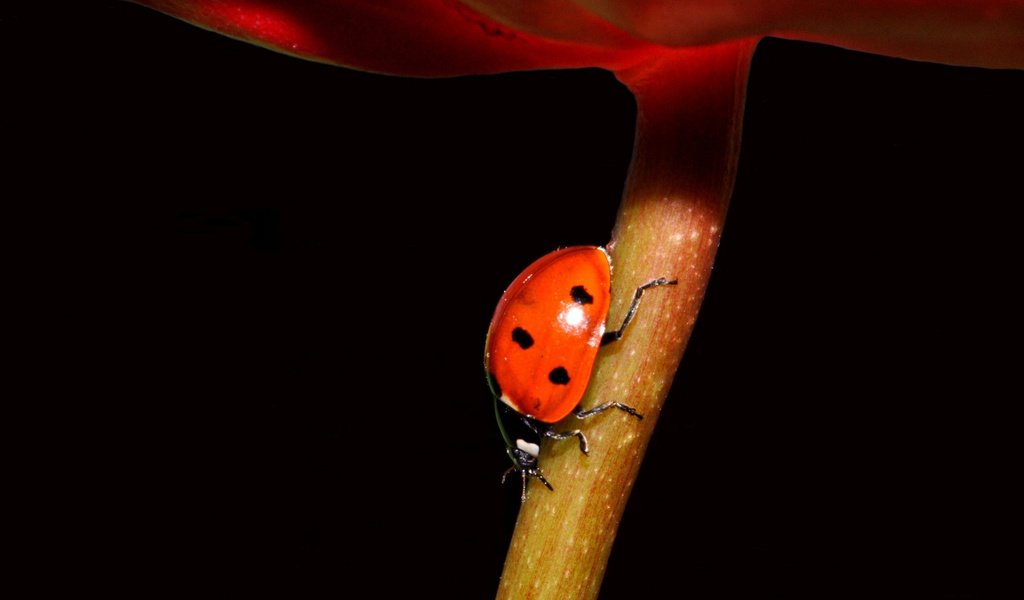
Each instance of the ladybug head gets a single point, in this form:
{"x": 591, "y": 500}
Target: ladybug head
{"x": 525, "y": 454}
{"x": 524, "y": 460}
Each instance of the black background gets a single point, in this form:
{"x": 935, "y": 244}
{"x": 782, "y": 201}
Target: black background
{"x": 256, "y": 280}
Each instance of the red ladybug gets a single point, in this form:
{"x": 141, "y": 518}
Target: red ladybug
{"x": 542, "y": 344}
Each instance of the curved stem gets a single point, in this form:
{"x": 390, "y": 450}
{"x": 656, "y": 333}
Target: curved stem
{"x": 690, "y": 106}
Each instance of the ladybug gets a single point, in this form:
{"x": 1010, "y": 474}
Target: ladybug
{"x": 542, "y": 344}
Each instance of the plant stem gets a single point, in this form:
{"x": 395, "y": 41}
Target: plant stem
{"x": 690, "y": 107}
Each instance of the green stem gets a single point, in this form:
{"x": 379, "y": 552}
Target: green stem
{"x": 690, "y": 106}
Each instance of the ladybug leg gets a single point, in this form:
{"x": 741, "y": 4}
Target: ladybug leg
{"x": 533, "y": 473}
{"x": 584, "y": 447}
{"x": 523, "y": 473}
{"x": 505, "y": 474}
{"x": 536, "y": 473}
{"x": 586, "y": 414}
{"x": 614, "y": 336}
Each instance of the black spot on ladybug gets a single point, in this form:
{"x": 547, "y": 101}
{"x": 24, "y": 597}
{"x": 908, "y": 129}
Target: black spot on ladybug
{"x": 522, "y": 337}
{"x": 559, "y": 376}
{"x": 580, "y": 295}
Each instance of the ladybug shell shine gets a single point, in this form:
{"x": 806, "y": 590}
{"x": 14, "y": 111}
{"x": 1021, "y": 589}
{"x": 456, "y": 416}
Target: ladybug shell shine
{"x": 546, "y": 332}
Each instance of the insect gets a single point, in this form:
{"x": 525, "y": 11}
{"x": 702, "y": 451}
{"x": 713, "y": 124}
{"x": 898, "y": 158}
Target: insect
{"x": 542, "y": 345}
